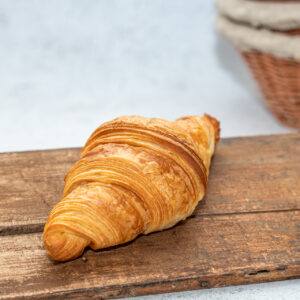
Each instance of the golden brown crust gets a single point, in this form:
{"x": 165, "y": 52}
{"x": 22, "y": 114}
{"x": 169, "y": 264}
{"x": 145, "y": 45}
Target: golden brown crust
{"x": 134, "y": 175}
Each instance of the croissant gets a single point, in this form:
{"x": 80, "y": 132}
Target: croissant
{"x": 134, "y": 176}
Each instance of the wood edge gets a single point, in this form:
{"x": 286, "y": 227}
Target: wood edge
{"x": 39, "y": 150}
{"x": 228, "y": 140}
{"x": 291, "y": 134}
{"x": 245, "y": 276}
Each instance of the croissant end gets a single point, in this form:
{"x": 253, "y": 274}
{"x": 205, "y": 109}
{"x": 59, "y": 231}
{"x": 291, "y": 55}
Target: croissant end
{"x": 62, "y": 244}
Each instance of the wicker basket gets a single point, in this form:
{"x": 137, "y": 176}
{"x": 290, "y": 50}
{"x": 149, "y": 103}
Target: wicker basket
{"x": 278, "y": 80}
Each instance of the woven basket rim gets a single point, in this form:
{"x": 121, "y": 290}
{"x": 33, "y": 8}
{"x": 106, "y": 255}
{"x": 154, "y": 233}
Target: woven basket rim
{"x": 273, "y": 15}
{"x": 262, "y": 40}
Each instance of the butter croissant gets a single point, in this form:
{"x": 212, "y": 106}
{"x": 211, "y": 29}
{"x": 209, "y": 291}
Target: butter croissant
{"x": 134, "y": 176}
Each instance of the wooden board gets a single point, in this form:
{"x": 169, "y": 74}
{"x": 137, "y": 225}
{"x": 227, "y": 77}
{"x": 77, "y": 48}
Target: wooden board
{"x": 246, "y": 230}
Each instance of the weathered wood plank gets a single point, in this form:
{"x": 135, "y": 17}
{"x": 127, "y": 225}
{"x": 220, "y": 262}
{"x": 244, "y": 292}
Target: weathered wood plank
{"x": 279, "y": 148}
{"x": 247, "y": 174}
{"x": 30, "y": 184}
{"x": 201, "y": 252}
{"x": 252, "y": 187}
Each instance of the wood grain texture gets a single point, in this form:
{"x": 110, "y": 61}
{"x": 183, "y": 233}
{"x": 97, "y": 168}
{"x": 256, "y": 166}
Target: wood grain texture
{"x": 247, "y": 174}
{"x": 30, "y": 184}
{"x": 246, "y": 230}
{"x": 202, "y": 252}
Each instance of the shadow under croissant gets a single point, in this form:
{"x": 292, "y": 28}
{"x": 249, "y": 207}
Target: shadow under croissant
{"x": 82, "y": 257}
{"x": 124, "y": 245}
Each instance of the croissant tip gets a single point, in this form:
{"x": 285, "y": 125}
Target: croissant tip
{"x": 62, "y": 245}
{"x": 216, "y": 125}
{"x": 214, "y": 122}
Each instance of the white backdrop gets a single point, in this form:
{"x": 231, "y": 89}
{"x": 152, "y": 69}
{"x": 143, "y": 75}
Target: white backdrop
{"x": 67, "y": 66}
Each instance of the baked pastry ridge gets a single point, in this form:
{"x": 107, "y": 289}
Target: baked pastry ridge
{"x": 134, "y": 176}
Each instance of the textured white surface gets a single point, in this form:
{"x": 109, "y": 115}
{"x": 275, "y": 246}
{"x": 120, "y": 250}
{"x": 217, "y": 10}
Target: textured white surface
{"x": 67, "y": 66}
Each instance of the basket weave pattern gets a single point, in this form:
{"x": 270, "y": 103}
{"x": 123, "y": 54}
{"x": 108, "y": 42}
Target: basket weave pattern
{"x": 279, "y": 81}
{"x": 278, "y": 78}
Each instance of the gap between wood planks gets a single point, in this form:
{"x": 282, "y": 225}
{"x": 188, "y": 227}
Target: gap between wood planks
{"x": 276, "y": 149}
{"x": 36, "y": 228}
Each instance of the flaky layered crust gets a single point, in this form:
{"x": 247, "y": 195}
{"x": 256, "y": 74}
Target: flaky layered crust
{"x": 134, "y": 176}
